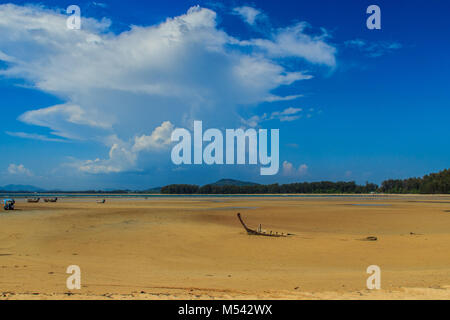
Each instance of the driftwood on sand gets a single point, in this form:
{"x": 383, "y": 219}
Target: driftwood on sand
{"x": 259, "y": 232}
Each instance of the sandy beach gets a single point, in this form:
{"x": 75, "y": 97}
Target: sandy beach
{"x": 195, "y": 248}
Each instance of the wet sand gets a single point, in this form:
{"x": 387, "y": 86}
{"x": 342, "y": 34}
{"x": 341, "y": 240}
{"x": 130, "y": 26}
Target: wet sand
{"x": 195, "y": 248}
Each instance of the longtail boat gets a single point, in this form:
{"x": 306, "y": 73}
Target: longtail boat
{"x": 259, "y": 232}
{"x": 34, "y": 200}
{"x": 51, "y": 200}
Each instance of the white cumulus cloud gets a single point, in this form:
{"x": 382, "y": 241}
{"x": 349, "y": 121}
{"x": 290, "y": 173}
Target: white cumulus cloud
{"x": 159, "y": 138}
{"x": 19, "y": 169}
{"x": 291, "y": 171}
{"x": 123, "y": 156}
{"x": 120, "y": 85}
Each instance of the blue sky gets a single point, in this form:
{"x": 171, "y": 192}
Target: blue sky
{"x": 93, "y": 108}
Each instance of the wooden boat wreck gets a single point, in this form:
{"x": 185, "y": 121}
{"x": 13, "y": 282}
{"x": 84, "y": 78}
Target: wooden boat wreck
{"x": 51, "y": 200}
{"x": 260, "y": 232}
{"x": 34, "y": 200}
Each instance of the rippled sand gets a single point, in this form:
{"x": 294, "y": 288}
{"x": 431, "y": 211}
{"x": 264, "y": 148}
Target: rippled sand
{"x": 182, "y": 248}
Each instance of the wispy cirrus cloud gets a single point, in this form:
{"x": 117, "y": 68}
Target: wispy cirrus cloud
{"x": 294, "y": 41}
{"x": 65, "y": 120}
{"x": 100, "y": 4}
{"x": 286, "y": 115}
{"x": 248, "y": 14}
{"x": 373, "y": 49}
{"x": 34, "y": 136}
{"x": 274, "y": 98}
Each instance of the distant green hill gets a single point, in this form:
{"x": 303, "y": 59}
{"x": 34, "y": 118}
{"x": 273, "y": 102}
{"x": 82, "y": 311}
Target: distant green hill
{"x": 20, "y": 188}
{"x": 232, "y": 182}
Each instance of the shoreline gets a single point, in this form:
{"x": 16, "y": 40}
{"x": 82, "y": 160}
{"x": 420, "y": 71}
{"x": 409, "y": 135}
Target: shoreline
{"x": 132, "y": 195}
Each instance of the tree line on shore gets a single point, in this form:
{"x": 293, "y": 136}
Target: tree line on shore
{"x": 435, "y": 183}
{"x": 304, "y": 187}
